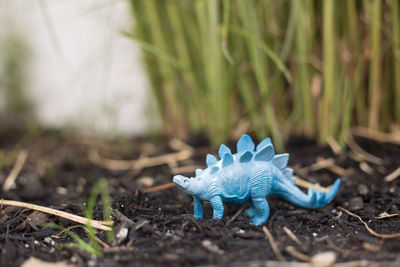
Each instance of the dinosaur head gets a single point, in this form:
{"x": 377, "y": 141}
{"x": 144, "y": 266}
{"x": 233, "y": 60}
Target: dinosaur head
{"x": 186, "y": 184}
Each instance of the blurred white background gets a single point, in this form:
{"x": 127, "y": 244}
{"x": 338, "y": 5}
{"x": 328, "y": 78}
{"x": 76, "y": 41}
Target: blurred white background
{"x": 83, "y": 72}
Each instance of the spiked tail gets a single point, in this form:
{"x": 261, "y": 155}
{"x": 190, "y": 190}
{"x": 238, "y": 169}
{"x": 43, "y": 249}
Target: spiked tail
{"x": 313, "y": 199}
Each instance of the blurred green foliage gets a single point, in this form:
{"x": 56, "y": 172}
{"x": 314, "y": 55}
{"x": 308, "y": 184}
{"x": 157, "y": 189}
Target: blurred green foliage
{"x": 288, "y": 67}
{"x": 14, "y": 56}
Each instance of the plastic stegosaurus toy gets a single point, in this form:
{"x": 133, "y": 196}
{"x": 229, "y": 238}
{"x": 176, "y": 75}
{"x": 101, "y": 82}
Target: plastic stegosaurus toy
{"x": 249, "y": 176}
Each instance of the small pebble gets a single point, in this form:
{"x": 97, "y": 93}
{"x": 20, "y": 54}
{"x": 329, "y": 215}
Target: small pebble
{"x": 208, "y": 245}
{"x": 363, "y": 189}
{"x": 314, "y": 234}
{"x": 356, "y": 203}
{"x": 147, "y": 229}
{"x": 324, "y": 259}
{"x": 146, "y": 181}
{"x": 61, "y": 190}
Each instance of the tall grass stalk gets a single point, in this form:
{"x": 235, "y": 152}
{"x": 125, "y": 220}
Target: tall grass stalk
{"x": 304, "y": 67}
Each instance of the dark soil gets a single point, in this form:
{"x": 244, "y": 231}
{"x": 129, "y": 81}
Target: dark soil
{"x": 161, "y": 229}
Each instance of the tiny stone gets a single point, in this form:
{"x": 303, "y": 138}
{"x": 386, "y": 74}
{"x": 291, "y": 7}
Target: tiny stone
{"x": 48, "y": 240}
{"x": 61, "y": 190}
{"x": 147, "y": 229}
{"x": 324, "y": 258}
{"x": 146, "y": 181}
{"x": 363, "y": 189}
{"x": 314, "y": 234}
{"x": 26, "y": 245}
{"x": 356, "y": 203}
{"x": 241, "y": 231}
{"x": 170, "y": 257}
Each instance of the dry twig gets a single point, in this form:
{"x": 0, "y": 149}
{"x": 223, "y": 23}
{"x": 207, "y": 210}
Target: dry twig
{"x": 306, "y": 184}
{"x": 393, "y": 138}
{"x": 101, "y": 225}
{"x": 19, "y": 163}
{"x": 296, "y": 254}
{"x": 273, "y": 244}
{"x": 183, "y": 169}
{"x": 361, "y": 153}
{"x": 368, "y": 228}
{"x": 145, "y": 162}
{"x": 384, "y": 215}
{"x": 334, "y": 145}
{"x": 158, "y": 188}
{"x": 294, "y": 238}
{"x": 394, "y": 175}
{"x": 231, "y": 220}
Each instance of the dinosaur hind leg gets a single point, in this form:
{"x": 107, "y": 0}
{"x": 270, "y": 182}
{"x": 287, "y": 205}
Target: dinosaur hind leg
{"x": 260, "y": 210}
{"x": 251, "y": 212}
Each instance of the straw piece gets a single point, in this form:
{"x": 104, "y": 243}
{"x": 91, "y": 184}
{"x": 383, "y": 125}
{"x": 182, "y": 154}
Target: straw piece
{"x": 101, "y": 225}
{"x": 361, "y": 153}
{"x": 334, "y": 145}
{"x": 273, "y": 244}
{"x": 368, "y": 228}
{"x": 145, "y": 162}
{"x": 306, "y": 184}
{"x": 394, "y": 175}
{"x": 19, "y": 163}
{"x": 294, "y": 238}
{"x": 296, "y": 254}
{"x": 158, "y": 188}
{"x": 393, "y": 138}
{"x": 190, "y": 168}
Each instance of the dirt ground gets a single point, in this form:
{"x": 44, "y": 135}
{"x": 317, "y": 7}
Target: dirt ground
{"x": 157, "y": 228}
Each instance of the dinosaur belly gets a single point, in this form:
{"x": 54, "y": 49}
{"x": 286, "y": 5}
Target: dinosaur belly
{"x": 236, "y": 200}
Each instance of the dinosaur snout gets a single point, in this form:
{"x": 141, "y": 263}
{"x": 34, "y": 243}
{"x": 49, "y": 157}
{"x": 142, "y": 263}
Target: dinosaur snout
{"x": 181, "y": 181}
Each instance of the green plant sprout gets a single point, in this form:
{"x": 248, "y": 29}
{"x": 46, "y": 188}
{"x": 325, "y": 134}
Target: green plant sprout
{"x": 91, "y": 247}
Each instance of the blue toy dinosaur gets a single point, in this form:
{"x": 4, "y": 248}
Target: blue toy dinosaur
{"x": 248, "y": 176}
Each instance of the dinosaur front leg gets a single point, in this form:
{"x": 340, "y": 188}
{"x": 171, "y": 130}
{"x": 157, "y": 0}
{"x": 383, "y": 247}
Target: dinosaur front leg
{"x": 261, "y": 210}
{"x": 218, "y": 207}
{"x": 198, "y": 208}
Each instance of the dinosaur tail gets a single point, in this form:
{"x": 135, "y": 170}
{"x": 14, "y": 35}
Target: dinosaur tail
{"x": 313, "y": 199}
